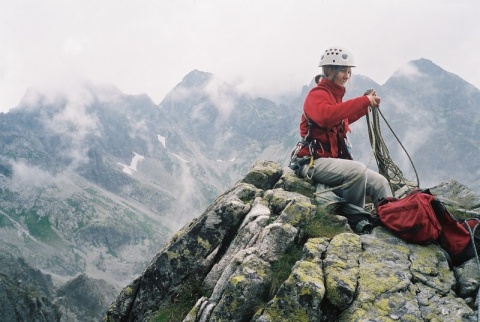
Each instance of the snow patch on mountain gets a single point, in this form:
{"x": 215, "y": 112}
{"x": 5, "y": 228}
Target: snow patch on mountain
{"x": 162, "y": 140}
{"x": 180, "y": 158}
{"x": 129, "y": 169}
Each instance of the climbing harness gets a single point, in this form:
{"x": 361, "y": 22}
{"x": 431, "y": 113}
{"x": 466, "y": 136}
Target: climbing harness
{"x": 297, "y": 164}
{"x": 386, "y": 166}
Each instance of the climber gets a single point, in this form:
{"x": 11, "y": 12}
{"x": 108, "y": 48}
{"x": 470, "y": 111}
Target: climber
{"x": 323, "y": 154}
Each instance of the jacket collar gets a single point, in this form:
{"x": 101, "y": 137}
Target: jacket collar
{"x": 337, "y": 90}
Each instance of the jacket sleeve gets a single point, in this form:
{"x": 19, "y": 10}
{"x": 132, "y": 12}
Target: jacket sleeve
{"x": 321, "y": 107}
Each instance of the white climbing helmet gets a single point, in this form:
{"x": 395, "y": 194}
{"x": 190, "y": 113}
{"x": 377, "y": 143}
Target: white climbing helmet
{"x": 337, "y": 56}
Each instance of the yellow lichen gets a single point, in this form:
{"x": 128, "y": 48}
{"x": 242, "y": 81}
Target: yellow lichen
{"x": 358, "y": 314}
{"x": 261, "y": 272}
{"x": 297, "y": 212}
{"x": 172, "y": 255}
{"x": 335, "y": 291}
{"x": 233, "y": 305}
{"x": 383, "y": 305}
{"x": 377, "y": 284}
{"x": 204, "y": 243}
{"x": 237, "y": 279}
{"x": 305, "y": 271}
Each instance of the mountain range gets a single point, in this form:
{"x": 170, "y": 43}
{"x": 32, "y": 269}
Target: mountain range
{"x": 93, "y": 182}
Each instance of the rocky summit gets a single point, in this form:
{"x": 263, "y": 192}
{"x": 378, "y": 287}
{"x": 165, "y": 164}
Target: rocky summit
{"x": 269, "y": 249}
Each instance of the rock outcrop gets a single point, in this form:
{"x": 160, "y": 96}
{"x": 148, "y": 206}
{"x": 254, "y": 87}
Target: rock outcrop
{"x": 84, "y": 298}
{"x": 25, "y": 292}
{"x": 269, "y": 250}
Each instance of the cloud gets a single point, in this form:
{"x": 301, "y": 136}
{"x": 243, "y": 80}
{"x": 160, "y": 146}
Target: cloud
{"x": 219, "y": 93}
{"x": 73, "y": 47}
{"x": 74, "y": 124}
{"x": 178, "y": 94}
{"x": 264, "y": 48}
{"x": 30, "y": 177}
{"x": 65, "y": 113}
{"x": 410, "y": 71}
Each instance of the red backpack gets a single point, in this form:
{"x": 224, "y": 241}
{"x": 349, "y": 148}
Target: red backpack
{"x": 421, "y": 218}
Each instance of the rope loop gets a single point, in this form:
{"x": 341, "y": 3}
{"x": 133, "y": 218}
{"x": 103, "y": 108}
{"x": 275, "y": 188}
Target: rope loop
{"x": 386, "y": 166}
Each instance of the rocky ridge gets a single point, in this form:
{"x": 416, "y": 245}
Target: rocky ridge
{"x": 269, "y": 250}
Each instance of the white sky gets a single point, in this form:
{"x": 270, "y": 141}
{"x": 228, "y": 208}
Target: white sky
{"x": 262, "y": 46}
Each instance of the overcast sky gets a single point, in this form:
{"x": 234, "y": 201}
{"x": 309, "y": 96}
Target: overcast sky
{"x": 262, "y": 46}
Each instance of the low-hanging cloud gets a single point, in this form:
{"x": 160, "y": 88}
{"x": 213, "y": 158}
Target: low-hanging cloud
{"x": 74, "y": 124}
{"x": 221, "y": 95}
{"x": 410, "y": 71}
{"x": 29, "y": 176}
{"x": 65, "y": 112}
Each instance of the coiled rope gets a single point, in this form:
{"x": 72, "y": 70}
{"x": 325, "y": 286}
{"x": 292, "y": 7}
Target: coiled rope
{"x": 386, "y": 166}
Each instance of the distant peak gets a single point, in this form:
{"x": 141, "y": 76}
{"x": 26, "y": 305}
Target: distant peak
{"x": 424, "y": 63}
{"x": 196, "y": 77}
{"x": 417, "y": 68}
{"x": 422, "y": 60}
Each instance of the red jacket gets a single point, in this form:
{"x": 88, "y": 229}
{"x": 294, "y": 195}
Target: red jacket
{"x": 331, "y": 117}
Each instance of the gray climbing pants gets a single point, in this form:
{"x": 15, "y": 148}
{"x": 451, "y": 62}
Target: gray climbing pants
{"x": 357, "y": 178}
